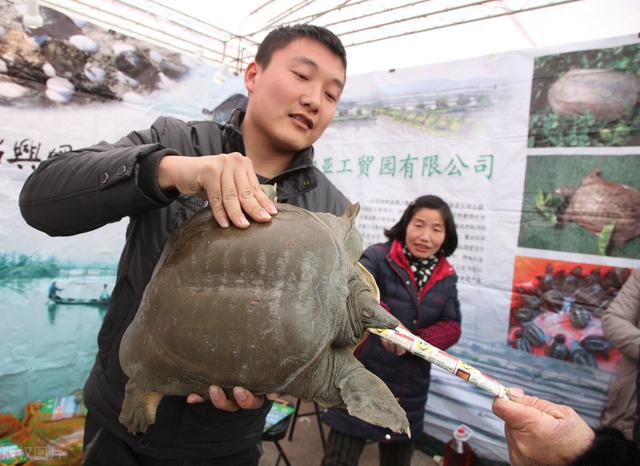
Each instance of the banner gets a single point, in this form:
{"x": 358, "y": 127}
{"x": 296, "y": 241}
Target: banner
{"x": 65, "y": 86}
{"x": 517, "y": 144}
{"x": 537, "y": 155}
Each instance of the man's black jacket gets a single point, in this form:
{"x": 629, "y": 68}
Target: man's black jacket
{"x": 78, "y": 191}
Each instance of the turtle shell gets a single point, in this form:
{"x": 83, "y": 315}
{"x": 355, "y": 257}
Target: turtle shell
{"x": 534, "y": 334}
{"x": 558, "y": 349}
{"x": 596, "y": 344}
{"x": 597, "y": 203}
{"x": 553, "y": 300}
{"x": 581, "y": 356}
{"x": 525, "y": 314}
{"x": 615, "y": 278}
{"x": 593, "y": 298}
{"x": 523, "y": 344}
{"x": 579, "y": 316}
{"x": 606, "y": 94}
{"x": 242, "y": 312}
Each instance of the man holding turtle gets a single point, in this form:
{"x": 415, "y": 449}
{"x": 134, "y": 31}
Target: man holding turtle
{"x": 159, "y": 177}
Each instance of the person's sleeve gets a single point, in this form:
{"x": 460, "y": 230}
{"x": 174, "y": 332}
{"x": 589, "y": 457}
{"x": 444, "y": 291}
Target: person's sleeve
{"x": 81, "y": 190}
{"x": 619, "y": 322}
{"x": 339, "y": 203}
{"x": 446, "y": 332}
{"x": 609, "y": 447}
{"x": 442, "y": 334}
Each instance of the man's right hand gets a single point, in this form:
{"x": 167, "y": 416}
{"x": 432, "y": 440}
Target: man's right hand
{"x": 539, "y": 432}
{"x": 227, "y": 181}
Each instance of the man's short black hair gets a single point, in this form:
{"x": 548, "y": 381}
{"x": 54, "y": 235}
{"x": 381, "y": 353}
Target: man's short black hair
{"x": 282, "y": 36}
{"x": 399, "y": 230}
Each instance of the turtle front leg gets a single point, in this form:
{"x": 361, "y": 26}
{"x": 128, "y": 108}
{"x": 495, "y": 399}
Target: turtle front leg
{"x": 368, "y": 398}
{"x": 139, "y": 407}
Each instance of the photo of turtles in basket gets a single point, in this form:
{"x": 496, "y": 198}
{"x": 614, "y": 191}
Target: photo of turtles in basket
{"x": 586, "y": 98}
{"x": 584, "y": 204}
{"x": 556, "y": 310}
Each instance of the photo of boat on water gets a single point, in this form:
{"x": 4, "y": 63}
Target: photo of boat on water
{"x": 58, "y": 307}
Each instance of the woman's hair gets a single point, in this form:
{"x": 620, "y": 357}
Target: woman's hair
{"x": 399, "y": 230}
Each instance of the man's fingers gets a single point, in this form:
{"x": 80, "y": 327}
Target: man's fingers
{"x": 516, "y": 415}
{"x": 220, "y": 400}
{"x": 386, "y": 344}
{"x": 272, "y": 396}
{"x": 248, "y": 188}
{"x": 217, "y": 208}
{"x": 259, "y": 194}
{"x": 212, "y": 185}
{"x": 231, "y": 187}
{"x": 230, "y": 199}
{"x": 193, "y": 398}
{"x": 243, "y": 399}
{"x": 393, "y": 348}
{"x": 246, "y": 399}
{"x": 515, "y": 393}
{"x": 266, "y": 202}
{"x": 545, "y": 406}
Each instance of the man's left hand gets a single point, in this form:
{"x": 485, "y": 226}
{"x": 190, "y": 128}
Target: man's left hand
{"x": 243, "y": 399}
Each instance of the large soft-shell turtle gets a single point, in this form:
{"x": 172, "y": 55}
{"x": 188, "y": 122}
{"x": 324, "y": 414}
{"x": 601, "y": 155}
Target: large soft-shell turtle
{"x": 277, "y": 307}
{"x": 607, "y": 94}
{"x": 597, "y": 203}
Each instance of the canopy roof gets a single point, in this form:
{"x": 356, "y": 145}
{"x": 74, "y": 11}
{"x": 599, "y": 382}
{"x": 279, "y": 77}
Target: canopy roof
{"x": 378, "y": 34}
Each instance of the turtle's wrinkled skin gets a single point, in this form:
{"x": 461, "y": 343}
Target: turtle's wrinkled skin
{"x": 277, "y": 307}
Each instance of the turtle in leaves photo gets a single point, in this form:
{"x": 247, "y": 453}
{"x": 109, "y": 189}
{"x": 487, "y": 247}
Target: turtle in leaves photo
{"x": 607, "y": 209}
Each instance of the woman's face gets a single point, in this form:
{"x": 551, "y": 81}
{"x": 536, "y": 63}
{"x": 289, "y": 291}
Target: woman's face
{"x": 425, "y": 233}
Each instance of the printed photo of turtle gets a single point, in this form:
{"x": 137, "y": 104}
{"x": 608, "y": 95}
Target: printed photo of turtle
{"x": 556, "y": 308}
{"x": 586, "y": 98}
{"x": 69, "y": 61}
{"x": 584, "y": 204}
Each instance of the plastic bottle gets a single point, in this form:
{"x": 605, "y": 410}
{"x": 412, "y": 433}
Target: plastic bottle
{"x": 458, "y": 452}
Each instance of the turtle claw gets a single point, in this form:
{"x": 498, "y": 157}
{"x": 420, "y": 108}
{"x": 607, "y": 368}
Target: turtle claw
{"x": 369, "y": 399}
{"x": 138, "y": 408}
{"x": 402, "y": 427}
{"x": 135, "y": 419}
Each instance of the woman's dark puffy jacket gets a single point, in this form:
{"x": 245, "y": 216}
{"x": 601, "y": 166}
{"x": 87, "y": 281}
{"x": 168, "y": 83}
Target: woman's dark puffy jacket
{"x": 433, "y": 314}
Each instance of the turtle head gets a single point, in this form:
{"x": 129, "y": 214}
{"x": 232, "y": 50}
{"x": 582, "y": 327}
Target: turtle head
{"x": 363, "y": 307}
{"x": 271, "y": 191}
{"x": 373, "y": 315}
{"x": 549, "y": 205}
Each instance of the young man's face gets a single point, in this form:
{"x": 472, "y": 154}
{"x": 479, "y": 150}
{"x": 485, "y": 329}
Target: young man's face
{"x": 294, "y": 98}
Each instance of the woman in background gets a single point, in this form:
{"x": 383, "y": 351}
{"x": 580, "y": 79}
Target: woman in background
{"x": 418, "y": 286}
{"x": 621, "y": 326}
